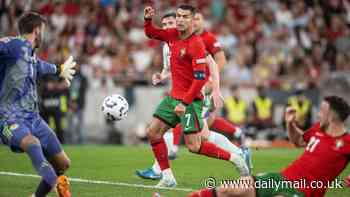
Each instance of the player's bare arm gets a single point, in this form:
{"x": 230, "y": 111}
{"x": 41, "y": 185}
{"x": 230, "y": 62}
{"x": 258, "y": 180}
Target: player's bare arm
{"x": 220, "y": 59}
{"x": 295, "y": 134}
{"x": 215, "y": 77}
{"x": 155, "y": 32}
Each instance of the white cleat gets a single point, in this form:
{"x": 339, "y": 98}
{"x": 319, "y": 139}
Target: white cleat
{"x": 167, "y": 182}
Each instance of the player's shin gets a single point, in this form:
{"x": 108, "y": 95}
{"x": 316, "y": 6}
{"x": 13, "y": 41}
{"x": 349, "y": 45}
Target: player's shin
{"x": 160, "y": 152}
{"x": 43, "y": 168}
{"x": 211, "y": 150}
{"x": 168, "y": 138}
{"x": 222, "y": 125}
{"x": 177, "y": 132}
{"x": 222, "y": 142}
{"x": 43, "y": 189}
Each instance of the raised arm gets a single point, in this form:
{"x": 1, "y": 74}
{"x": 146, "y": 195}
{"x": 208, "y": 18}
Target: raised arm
{"x": 295, "y": 134}
{"x": 155, "y": 32}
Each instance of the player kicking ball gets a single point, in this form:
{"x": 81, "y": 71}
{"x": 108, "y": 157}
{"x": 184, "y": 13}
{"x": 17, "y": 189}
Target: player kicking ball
{"x": 168, "y": 21}
{"x": 23, "y": 130}
{"x": 327, "y": 149}
{"x": 189, "y": 73}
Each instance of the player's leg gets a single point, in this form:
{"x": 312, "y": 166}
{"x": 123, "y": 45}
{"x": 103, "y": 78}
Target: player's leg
{"x": 61, "y": 164}
{"x": 192, "y": 123}
{"x": 154, "y": 172}
{"x": 155, "y": 132}
{"x": 177, "y": 133}
{"x": 222, "y": 125}
{"x": 172, "y": 141}
{"x": 224, "y": 143}
{"x": 55, "y": 155}
{"x": 164, "y": 118}
{"x": 17, "y": 135}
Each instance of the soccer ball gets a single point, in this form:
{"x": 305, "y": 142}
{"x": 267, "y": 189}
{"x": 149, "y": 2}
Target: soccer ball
{"x": 115, "y": 107}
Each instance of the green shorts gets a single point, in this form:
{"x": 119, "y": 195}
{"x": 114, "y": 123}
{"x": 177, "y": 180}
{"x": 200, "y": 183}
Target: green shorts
{"x": 266, "y": 186}
{"x": 191, "y": 121}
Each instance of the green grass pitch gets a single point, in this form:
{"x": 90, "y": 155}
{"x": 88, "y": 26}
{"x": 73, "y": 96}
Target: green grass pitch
{"x": 118, "y": 164}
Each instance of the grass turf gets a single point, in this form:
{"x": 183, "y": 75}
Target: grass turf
{"x": 118, "y": 164}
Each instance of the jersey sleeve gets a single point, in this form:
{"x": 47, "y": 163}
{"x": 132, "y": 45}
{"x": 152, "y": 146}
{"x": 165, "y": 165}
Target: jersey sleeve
{"x": 197, "y": 53}
{"x": 166, "y": 57}
{"x": 4, "y": 50}
{"x": 310, "y": 132}
{"x": 212, "y": 44}
{"x": 154, "y": 32}
{"x": 44, "y": 67}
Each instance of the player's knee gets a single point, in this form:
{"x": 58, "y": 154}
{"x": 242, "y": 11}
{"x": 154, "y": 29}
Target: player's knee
{"x": 152, "y": 133}
{"x": 29, "y": 140}
{"x": 66, "y": 164}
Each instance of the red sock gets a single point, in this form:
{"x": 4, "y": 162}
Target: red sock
{"x": 211, "y": 150}
{"x": 203, "y": 193}
{"x": 222, "y": 125}
{"x": 177, "y": 132}
{"x": 160, "y": 152}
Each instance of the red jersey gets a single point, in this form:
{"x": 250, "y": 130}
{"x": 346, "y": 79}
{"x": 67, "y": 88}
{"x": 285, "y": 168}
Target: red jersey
{"x": 212, "y": 45}
{"x": 324, "y": 158}
{"x": 189, "y": 71}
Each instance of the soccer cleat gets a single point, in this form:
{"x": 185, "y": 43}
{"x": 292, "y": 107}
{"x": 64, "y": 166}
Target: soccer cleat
{"x": 167, "y": 182}
{"x": 247, "y": 155}
{"x": 148, "y": 174}
{"x": 62, "y": 187}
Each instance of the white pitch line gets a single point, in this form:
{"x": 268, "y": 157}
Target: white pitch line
{"x": 79, "y": 180}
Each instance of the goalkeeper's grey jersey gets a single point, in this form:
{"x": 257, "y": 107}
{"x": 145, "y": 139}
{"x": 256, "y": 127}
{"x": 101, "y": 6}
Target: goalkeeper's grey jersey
{"x": 19, "y": 70}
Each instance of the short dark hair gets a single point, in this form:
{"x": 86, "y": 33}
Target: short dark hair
{"x": 29, "y": 21}
{"x": 339, "y": 106}
{"x": 167, "y": 15}
{"x": 191, "y": 8}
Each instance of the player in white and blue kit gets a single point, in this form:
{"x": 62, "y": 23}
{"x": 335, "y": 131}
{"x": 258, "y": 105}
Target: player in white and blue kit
{"x": 22, "y": 128}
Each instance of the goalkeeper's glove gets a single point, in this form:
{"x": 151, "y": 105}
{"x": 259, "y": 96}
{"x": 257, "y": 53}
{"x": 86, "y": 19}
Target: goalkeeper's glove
{"x": 67, "y": 70}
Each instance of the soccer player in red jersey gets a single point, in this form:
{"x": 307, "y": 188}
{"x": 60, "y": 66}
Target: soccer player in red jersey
{"x": 189, "y": 73}
{"x": 327, "y": 150}
{"x": 172, "y": 138}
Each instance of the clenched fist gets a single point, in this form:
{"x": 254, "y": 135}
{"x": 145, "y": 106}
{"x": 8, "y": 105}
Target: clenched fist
{"x": 148, "y": 12}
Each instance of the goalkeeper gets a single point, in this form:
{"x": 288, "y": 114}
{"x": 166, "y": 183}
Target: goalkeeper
{"x": 23, "y": 130}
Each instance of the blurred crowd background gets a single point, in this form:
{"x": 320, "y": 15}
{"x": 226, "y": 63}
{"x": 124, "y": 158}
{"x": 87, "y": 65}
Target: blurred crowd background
{"x": 279, "y": 52}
